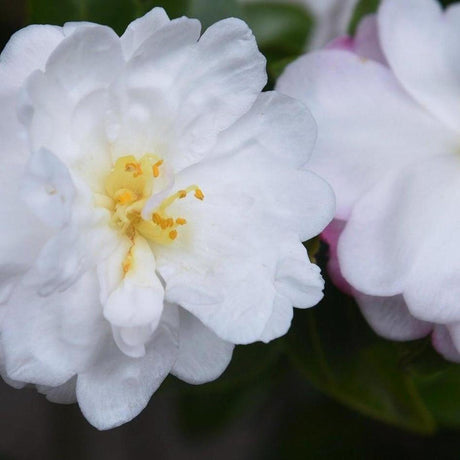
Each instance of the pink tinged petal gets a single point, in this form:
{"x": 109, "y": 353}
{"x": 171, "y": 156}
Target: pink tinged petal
{"x": 331, "y": 235}
{"x": 367, "y": 40}
{"x": 398, "y": 233}
{"x": 27, "y": 51}
{"x": 117, "y": 388}
{"x": 390, "y": 318}
{"x": 48, "y": 189}
{"x": 443, "y": 343}
{"x": 344, "y": 43}
{"x": 47, "y": 340}
{"x": 203, "y": 356}
{"x": 138, "y": 300}
{"x": 355, "y": 148}
{"x": 420, "y": 43}
{"x": 141, "y": 29}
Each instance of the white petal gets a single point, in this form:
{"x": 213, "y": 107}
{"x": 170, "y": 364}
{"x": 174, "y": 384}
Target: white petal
{"x": 202, "y": 355}
{"x": 141, "y": 29}
{"x": 280, "y": 320}
{"x": 138, "y": 300}
{"x": 390, "y": 318}
{"x": 297, "y": 278}
{"x": 356, "y": 143}
{"x": 282, "y": 126}
{"x": 87, "y": 60}
{"x": 48, "y": 189}
{"x": 131, "y": 340}
{"x": 47, "y": 340}
{"x": 398, "y": 234}
{"x": 419, "y": 41}
{"x": 27, "y": 51}
{"x": 117, "y": 387}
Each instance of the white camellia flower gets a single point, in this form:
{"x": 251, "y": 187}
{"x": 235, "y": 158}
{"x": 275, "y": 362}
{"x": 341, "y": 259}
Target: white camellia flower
{"x": 153, "y": 207}
{"x": 387, "y": 106}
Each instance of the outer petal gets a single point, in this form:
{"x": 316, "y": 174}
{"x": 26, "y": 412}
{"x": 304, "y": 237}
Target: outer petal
{"x": 420, "y": 43}
{"x": 280, "y": 320}
{"x": 209, "y": 83}
{"x": 355, "y": 147}
{"x": 400, "y": 230}
{"x": 117, "y": 387}
{"x": 202, "y": 355}
{"x": 47, "y": 340}
{"x": 390, "y": 318}
{"x": 367, "y": 40}
{"x": 27, "y": 51}
{"x": 141, "y": 29}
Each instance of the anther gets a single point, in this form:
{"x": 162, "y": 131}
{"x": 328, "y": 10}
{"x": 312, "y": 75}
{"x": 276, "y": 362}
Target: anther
{"x": 182, "y": 193}
{"x": 199, "y": 194}
{"x": 135, "y": 168}
{"x": 173, "y": 234}
{"x": 181, "y": 221}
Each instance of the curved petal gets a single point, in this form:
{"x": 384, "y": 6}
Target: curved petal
{"x": 400, "y": 230}
{"x": 141, "y": 29}
{"x": 283, "y": 127}
{"x": 390, "y": 318}
{"x": 280, "y": 319}
{"x": 138, "y": 300}
{"x": 27, "y": 50}
{"x": 47, "y": 340}
{"x": 202, "y": 355}
{"x": 356, "y": 146}
{"x": 420, "y": 43}
{"x": 117, "y": 388}
{"x": 367, "y": 41}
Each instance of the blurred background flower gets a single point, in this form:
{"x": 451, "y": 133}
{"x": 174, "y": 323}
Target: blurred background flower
{"x": 331, "y": 389}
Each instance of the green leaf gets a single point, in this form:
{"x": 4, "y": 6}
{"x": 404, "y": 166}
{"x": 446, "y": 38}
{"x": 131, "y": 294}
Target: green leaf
{"x": 363, "y": 8}
{"x": 336, "y": 351}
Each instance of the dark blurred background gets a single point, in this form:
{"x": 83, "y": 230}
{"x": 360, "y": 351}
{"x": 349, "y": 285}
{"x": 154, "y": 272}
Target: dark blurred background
{"x": 330, "y": 389}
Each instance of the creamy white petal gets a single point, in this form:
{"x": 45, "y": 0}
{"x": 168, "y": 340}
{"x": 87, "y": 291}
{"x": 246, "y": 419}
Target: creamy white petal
{"x": 203, "y": 356}
{"x": 117, "y": 387}
{"x": 356, "y": 143}
{"x": 420, "y": 43}
{"x": 138, "y": 300}
{"x": 62, "y": 394}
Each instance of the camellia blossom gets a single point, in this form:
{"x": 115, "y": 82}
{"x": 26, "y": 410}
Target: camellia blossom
{"x": 386, "y": 103}
{"x": 153, "y": 207}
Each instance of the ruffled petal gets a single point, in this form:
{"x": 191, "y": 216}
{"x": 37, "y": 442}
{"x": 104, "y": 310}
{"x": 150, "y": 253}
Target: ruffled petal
{"x": 47, "y": 340}
{"x": 356, "y": 147}
{"x": 202, "y": 355}
{"x": 117, "y": 388}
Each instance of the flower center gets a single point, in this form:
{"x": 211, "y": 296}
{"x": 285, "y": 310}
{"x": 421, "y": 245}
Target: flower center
{"x": 128, "y": 186}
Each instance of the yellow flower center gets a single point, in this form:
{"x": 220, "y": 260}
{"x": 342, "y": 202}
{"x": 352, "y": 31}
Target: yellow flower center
{"x": 128, "y": 186}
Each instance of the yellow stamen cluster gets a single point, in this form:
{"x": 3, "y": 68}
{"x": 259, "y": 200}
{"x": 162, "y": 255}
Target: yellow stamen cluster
{"x": 128, "y": 186}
